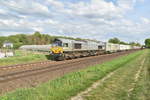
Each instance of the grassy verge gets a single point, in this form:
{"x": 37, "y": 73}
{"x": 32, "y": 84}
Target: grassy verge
{"x": 70, "y": 84}
{"x": 22, "y": 57}
{"x": 121, "y": 83}
{"x": 142, "y": 88}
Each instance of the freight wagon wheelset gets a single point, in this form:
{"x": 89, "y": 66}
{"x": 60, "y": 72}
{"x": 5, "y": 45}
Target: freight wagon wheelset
{"x": 69, "y": 49}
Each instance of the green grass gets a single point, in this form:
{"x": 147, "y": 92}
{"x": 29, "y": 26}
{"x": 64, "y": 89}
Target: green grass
{"x": 70, "y": 84}
{"x": 117, "y": 87}
{"x": 22, "y": 57}
{"x": 142, "y": 88}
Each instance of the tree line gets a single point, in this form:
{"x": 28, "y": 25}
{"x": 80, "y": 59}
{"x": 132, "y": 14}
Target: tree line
{"x": 147, "y": 43}
{"x": 22, "y": 39}
{"x": 42, "y": 39}
{"x": 117, "y": 41}
{"x": 33, "y": 39}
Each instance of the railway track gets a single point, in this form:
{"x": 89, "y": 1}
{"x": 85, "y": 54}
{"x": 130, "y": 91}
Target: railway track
{"x": 28, "y": 65}
{"x": 23, "y": 65}
{"x": 49, "y": 68}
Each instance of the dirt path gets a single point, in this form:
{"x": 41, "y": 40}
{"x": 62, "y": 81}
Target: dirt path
{"x": 117, "y": 85}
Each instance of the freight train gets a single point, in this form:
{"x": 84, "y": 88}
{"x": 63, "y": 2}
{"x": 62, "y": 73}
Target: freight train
{"x": 68, "y": 49}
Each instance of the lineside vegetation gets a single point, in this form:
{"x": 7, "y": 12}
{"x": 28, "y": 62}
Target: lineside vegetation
{"x": 142, "y": 88}
{"x": 70, "y": 84}
{"x": 130, "y": 82}
{"x": 22, "y": 57}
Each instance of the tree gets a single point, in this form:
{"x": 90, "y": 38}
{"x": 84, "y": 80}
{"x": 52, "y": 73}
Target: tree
{"x": 22, "y": 38}
{"x": 2, "y": 40}
{"x": 114, "y": 40}
{"x": 121, "y": 42}
{"x": 37, "y": 38}
{"x": 138, "y": 44}
{"x": 147, "y": 43}
{"x": 135, "y": 44}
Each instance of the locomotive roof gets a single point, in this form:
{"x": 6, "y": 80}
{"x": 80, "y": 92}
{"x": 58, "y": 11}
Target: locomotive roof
{"x": 70, "y": 40}
{"x": 82, "y": 41}
{"x": 63, "y": 40}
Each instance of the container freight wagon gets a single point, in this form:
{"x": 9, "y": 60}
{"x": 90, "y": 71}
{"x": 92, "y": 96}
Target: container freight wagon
{"x": 122, "y": 47}
{"x": 128, "y": 47}
{"x": 110, "y": 47}
{"x": 136, "y": 47}
{"x": 125, "y": 47}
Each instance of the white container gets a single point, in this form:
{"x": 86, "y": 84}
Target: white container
{"x": 112, "y": 47}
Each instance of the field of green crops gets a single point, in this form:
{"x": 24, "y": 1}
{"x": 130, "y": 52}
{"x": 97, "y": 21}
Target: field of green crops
{"x": 22, "y": 57}
{"x": 71, "y": 84}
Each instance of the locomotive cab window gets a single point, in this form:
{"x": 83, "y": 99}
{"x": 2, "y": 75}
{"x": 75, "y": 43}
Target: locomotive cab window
{"x": 65, "y": 44}
{"x": 77, "y": 46}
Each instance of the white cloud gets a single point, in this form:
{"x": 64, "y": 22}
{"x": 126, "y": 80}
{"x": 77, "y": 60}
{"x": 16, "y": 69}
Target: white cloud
{"x": 25, "y": 7}
{"x": 55, "y": 3}
{"x": 145, "y": 20}
{"x": 94, "y": 19}
{"x": 128, "y": 4}
{"x": 94, "y": 9}
{"x": 2, "y": 11}
{"x": 13, "y": 26}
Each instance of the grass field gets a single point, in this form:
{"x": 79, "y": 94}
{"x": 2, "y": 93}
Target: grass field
{"x": 142, "y": 87}
{"x": 22, "y": 57}
{"x": 69, "y": 85}
{"x": 130, "y": 82}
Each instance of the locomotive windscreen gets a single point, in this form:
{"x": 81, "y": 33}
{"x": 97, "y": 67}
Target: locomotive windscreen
{"x": 57, "y": 43}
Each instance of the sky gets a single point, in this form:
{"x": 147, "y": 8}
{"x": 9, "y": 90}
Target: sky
{"x": 128, "y": 20}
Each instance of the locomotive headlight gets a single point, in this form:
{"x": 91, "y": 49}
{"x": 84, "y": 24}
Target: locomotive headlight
{"x": 50, "y": 52}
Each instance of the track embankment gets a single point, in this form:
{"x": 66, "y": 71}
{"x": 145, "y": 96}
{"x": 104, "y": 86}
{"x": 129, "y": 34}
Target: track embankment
{"x": 34, "y": 74}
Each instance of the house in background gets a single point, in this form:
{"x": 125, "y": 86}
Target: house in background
{"x": 8, "y": 45}
{"x": 6, "y": 51}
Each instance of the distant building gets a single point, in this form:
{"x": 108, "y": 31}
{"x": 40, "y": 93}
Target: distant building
{"x": 8, "y": 52}
{"x": 8, "y": 45}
